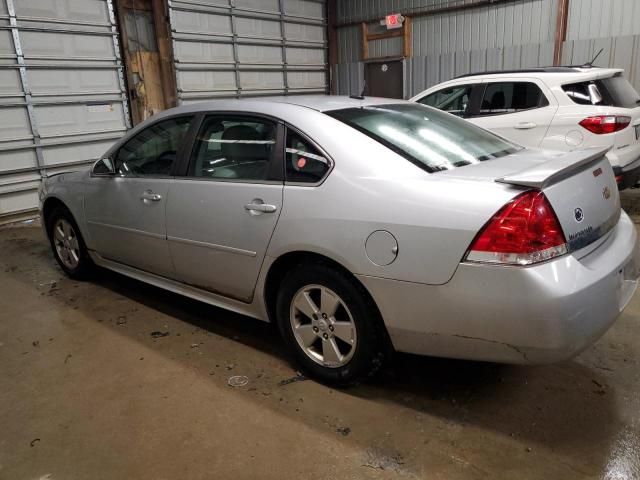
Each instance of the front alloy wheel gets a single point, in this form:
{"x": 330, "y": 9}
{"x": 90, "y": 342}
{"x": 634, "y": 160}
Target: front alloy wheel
{"x": 65, "y": 241}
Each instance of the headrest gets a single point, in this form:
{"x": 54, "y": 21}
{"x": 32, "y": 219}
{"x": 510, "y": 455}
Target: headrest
{"x": 239, "y": 150}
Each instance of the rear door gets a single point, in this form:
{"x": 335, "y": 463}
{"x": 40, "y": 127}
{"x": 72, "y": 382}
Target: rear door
{"x": 223, "y": 208}
{"x": 126, "y": 212}
{"x": 519, "y": 109}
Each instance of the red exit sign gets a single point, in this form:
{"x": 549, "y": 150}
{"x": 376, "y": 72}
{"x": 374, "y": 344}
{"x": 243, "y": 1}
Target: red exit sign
{"x": 394, "y": 20}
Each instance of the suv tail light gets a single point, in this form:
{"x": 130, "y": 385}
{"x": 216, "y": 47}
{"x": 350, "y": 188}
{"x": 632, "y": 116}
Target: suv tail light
{"x": 602, "y": 124}
{"x": 525, "y": 231}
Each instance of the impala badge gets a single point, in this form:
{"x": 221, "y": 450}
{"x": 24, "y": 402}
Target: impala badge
{"x": 579, "y": 216}
{"x": 606, "y": 193}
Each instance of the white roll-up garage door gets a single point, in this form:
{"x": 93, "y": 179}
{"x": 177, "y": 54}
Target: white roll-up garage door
{"x": 62, "y": 95}
{"x": 230, "y": 48}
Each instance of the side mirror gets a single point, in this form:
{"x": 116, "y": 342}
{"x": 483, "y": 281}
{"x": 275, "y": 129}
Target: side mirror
{"x": 594, "y": 94}
{"x": 103, "y": 167}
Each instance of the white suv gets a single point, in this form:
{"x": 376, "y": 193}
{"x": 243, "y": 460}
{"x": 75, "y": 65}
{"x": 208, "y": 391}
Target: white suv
{"x": 553, "y": 108}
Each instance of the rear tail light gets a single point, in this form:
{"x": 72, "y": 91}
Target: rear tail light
{"x": 525, "y": 231}
{"x": 602, "y": 124}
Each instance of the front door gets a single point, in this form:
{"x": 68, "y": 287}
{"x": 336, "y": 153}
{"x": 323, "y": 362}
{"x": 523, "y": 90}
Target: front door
{"x": 126, "y": 212}
{"x": 221, "y": 215}
{"x": 384, "y": 79}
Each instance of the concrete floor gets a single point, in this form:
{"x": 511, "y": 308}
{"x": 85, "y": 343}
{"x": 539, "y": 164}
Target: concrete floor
{"x": 86, "y": 392}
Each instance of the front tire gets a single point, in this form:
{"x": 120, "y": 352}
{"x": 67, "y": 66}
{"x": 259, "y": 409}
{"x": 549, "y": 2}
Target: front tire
{"x": 330, "y": 324}
{"x": 67, "y": 244}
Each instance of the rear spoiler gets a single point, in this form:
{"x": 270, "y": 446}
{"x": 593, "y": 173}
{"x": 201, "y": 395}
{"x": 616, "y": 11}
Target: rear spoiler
{"x": 554, "y": 170}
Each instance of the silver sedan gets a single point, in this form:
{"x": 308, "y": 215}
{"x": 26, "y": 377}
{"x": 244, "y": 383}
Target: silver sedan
{"x": 359, "y": 226}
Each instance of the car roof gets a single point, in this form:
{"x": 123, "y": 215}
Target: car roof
{"x": 320, "y": 103}
{"x": 577, "y": 72}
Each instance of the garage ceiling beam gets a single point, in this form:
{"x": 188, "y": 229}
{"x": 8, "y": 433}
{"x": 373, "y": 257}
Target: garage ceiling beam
{"x": 425, "y": 11}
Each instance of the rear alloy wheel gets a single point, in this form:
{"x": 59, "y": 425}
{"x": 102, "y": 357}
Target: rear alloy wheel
{"x": 330, "y": 324}
{"x": 323, "y": 326}
{"x": 67, "y": 244}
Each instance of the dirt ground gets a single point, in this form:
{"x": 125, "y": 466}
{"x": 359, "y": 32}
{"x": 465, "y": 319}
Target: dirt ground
{"x": 114, "y": 379}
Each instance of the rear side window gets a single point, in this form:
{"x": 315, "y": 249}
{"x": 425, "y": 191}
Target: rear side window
{"x": 579, "y": 93}
{"x": 454, "y": 100}
{"x": 509, "y": 97}
{"x": 303, "y": 162}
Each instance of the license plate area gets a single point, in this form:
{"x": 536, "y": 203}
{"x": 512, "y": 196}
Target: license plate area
{"x": 637, "y": 129}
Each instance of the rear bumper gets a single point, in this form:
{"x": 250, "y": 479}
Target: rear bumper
{"x": 627, "y": 177}
{"x": 539, "y": 314}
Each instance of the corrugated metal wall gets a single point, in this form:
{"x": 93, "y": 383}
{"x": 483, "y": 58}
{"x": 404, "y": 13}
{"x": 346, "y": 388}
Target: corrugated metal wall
{"x": 507, "y": 35}
{"x": 245, "y": 47}
{"x": 62, "y": 97}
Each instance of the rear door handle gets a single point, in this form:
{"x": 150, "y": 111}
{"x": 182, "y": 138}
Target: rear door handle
{"x": 149, "y": 195}
{"x": 258, "y": 207}
{"x": 525, "y": 125}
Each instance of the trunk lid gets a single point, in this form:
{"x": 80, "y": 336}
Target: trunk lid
{"x": 580, "y": 186}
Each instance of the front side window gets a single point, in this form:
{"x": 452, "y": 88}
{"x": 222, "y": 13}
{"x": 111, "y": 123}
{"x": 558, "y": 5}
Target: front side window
{"x": 453, "y": 100}
{"x": 153, "y": 151}
{"x": 510, "y": 97}
{"x": 233, "y": 148}
{"x": 303, "y": 162}
{"x": 432, "y": 140}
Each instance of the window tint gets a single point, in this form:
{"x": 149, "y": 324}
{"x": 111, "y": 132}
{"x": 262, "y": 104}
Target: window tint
{"x": 233, "y": 148}
{"x": 509, "y": 97}
{"x": 430, "y": 139}
{"x": 304, "y": 163}
{"x": 453, "y": 99}
{"x": 614, "y": 91}
{"x": 154, "y": 150}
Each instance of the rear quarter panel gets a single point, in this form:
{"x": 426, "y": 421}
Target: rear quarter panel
{"x": 432, "y": 217}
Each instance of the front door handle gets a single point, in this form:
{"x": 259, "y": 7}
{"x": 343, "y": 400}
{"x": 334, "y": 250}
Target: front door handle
{"x": 150, "y": 196}
{"x": 525, "y": 125}
{"x": 257, "y": 206}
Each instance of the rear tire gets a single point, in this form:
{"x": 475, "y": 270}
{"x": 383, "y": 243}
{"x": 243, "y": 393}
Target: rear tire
{"x": 330, "y": 324}
{"x": 68, "y": 245}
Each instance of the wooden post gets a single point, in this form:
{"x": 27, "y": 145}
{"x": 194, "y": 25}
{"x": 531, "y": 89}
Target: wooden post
{"x": 406, "y": 46}
{"x": 161, "y": 24}
{"x": 561, "y": 31}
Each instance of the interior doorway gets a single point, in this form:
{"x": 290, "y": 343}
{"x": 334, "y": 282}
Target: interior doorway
{"x": 384, "y": 79}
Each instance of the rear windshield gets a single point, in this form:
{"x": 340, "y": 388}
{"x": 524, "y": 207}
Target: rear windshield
{"x": 431, "y": 139}
{"x": 621, "y": 92}
{"x": 614, "y": 91}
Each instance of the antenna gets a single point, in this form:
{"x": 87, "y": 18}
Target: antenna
{"x": 361, "y": 96}
{"x": 590, "y": 64}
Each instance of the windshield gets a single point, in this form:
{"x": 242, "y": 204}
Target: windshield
{"x": 431, "y": 139}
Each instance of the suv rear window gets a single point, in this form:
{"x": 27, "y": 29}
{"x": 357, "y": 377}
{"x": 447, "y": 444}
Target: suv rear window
{"x": 431, "y": 139}
{"x": 621, "y": 92}
{"x": 615, "y": 91}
